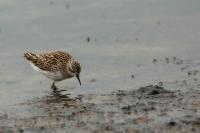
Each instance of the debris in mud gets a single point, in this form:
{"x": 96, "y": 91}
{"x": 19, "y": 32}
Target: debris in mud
{"x": 146, "y": 91}
{"x": 88, "y": 39}
{"x": 183, "y": 68}
{"x": 173, "y": 60}
{"x": 189, "y": 73}
{"x": 21, "y": 130}
{"x": 160, "y": 83}
{"x": 93, "y": 80}
{"x": 126, "y": 109}
{"x": 193, "y": 72}
{"x": 172, "y": 123}
{"x": 177, "y": 61}
{"x": 132, "y": 76}
{"x": 155, "y": 61}
{"x": 191, "y": 120}
{"x": 121, "y": 93}
{"x": 167, "y": 60}
{"x": 153, "y": 90}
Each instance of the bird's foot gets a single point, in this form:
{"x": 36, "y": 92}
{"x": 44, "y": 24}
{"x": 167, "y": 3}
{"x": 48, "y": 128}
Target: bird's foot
{"x": 53, "y": 87}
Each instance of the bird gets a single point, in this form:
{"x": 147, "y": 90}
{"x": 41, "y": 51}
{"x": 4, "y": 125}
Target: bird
{"x": 55, "y": 65}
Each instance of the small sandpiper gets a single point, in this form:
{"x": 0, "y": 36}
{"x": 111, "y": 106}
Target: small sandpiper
{"x": 56, "y": 65}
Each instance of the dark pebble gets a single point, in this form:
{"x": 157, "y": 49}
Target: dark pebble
{"x": 21, "y": 130}
{"x": 88, "y": 39}
{"x": 155, "y": 61}
{"x": 172, "y": 123}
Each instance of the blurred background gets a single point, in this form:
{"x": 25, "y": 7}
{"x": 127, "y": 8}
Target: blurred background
{"x": 121, "y": 44}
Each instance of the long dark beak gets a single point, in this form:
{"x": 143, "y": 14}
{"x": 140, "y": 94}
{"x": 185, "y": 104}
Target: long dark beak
{"x": 77, "y": 76}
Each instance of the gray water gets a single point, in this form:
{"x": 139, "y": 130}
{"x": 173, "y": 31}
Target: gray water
{"x": 125, "y": 36}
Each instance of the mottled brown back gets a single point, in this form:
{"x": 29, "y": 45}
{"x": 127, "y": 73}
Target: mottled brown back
{"x": 52, "y": 61}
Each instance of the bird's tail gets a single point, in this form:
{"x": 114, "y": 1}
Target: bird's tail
{"x": 30, "y": 56}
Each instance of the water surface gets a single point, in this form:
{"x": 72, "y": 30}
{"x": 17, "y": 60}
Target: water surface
{"x": 125, "y": 37}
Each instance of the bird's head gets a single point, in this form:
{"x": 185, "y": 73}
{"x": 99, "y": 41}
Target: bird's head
{"x": 75, "y": 69}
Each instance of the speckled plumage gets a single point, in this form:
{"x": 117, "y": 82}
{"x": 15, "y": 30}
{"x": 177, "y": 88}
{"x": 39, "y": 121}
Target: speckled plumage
{"x": 56, "y": 65}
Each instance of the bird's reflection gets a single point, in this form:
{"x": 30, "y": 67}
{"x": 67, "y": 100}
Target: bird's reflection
{"x": 59, "y": 97}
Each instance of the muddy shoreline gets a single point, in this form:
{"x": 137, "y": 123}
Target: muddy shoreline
{"x": 147, "y": 109}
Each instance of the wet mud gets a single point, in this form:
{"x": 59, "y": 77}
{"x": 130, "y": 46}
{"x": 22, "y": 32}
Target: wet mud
{"x": 147, "y": 109}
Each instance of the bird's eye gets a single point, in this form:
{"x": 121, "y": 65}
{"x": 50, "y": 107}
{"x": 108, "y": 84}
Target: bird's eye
{"x": 73, "y": 71}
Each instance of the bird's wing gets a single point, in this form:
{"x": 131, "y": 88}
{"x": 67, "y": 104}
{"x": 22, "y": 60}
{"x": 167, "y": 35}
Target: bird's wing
{"x": 51, "y": 61}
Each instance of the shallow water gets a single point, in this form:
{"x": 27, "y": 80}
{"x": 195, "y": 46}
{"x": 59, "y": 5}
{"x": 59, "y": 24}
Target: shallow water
{"x": 154, "y": 40}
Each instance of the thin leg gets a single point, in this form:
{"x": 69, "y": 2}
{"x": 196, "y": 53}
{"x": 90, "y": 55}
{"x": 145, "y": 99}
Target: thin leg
{"x": 53, "y": 86}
